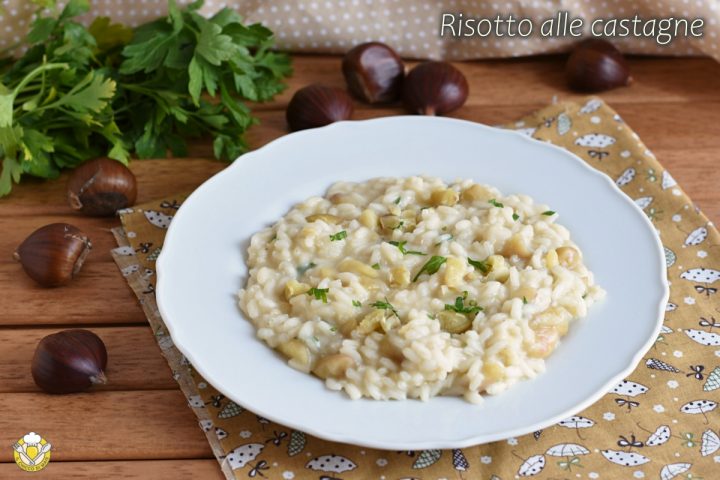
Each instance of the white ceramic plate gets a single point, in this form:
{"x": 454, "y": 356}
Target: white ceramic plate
{"x": 202, "y": 267}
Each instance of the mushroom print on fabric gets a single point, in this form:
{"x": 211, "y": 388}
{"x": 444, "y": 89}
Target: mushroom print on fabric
{"x": 576, "y": 422}
{"x": 712, "y": 382}
{"x": 595, "y": 142}
{"x": 626, "y": 459}
{"x": 696, "y": 237}
{"x": 710, "y": 443}
{"x": 427, "y": 458}
{"x": 657, "y": 364}
{"x": 564, "y": 124}
{"x": 591, "y": 106}
{"x": 643, "y": 202}
{"x": 460, "y": 463}
{"x": 158, "y": 219}
{"x": 707, "y": 338}
{"x": 532, "y": 466}
{"x": 331, "y": 463}
{"x": 671, "y": 471}
{"x": 626, "y": 177}
{"x": 706, "y": 276}
{"x": 571, "y": 452}
{"x": 667, "y": 180}
{"x": 660, "y": 436}
{"x": 700, "y": 407}
{"x": 670, "y": 257}
{"x": 243, "y": 454}
{"x": 297, "y": 443}
{"x": 628, "y": 389}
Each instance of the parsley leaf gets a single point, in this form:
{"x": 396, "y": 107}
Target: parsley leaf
{"x": 431, "y": 266}
{"x": 384, "y": 306}
{"x": 356, "y": 303}
{"x": 548, "y": 213}
{"x": 495, "y": 203}
{"x": 460, "y": 307}
{"x": 319, "y": 294}
{"x": 397, "y": 201}
{"x": 375, "y": 266}
{"x": 401, "y": 247}
{"x": 338, "y": 236}
{"x": 515, "y": 216}
{"x": 524, "y": 300}
{"x": 108, "y": 90}
{"x": 479, "y": 264}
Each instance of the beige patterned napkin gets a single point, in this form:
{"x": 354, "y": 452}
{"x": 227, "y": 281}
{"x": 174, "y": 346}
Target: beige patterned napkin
{"x": 412, "y": 26}
{"x": 661, "y": 422}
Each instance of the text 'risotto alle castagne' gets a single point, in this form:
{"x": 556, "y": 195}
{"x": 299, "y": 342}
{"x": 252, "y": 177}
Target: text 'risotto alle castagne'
{"x": 409, "y": 288}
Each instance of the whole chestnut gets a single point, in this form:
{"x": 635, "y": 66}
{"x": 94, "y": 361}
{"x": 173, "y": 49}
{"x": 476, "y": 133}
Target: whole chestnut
{"x": 373, "y": 72}
{"x": 52, "y": 255}
{"x": 434, "y": 88}
{"x": 69, "y": 361}
{"x": 596, "y": 65}
{"x": 101, "y": 187}
{"x": 316, "y": 106}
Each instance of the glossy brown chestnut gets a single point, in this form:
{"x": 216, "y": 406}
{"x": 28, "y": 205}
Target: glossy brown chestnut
{"x": 434, "y": 88}
{"x": 101, "y": 187}
{"x": 317, "y": 106}
{"x": 596, "y": 65}
{"x": 69, "y": 361}
{"x": 373, "y": 72}
{"x": 52, "y": 255}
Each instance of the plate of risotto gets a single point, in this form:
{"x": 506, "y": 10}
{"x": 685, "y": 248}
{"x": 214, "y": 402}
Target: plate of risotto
{"x": 412, "y": 282}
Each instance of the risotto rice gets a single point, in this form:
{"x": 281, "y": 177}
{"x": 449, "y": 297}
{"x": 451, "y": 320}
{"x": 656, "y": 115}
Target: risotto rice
{"x": 409, "y": 288}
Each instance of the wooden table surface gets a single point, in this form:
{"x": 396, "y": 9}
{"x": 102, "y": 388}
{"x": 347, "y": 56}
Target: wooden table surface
{"x": 138, "y": 425}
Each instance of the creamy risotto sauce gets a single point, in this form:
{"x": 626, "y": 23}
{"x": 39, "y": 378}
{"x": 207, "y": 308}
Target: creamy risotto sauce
{"x": 409, "y": 287}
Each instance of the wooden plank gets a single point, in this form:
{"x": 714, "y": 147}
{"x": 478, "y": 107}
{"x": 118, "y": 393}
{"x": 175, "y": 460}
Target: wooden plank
{"x": 125, "y": 470}
{"x": 139, "y": 425}
{"x": 98, "y": 295}
{"x": 134, "y": 359}
{"x": 506, "y": 82}
{"x": 155, "y": 179}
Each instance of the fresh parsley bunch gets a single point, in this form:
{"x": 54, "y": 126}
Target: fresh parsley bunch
{"x": 79, "y": 93}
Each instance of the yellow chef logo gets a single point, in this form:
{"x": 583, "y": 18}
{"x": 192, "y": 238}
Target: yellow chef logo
{"x": 32, "y": 452}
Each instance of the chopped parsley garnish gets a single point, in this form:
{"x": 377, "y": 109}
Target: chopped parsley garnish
{"x": 548, "y": 213}
{"x": 304, "y": 268}
{"x": 375, "y": 266}
{"x": 495, "y": 203}
{"x": 401, "y": 247}
{"x": 342, "y": 234}
{"x": 397, "y": 201}
{"x": 460, "y": 307}
{"x": 319, "y": 293}
{"x": 431, "y": 316}
{"x": 515, "y": 217}
{"x": 479, "y": 264}
{"x": 431, "y": 266}
{"x": 384, "y": 306}
{"x": 356, "y": 303}
{"x": 584, "y": 295}
{"x": 399, "y": 225}
{"x": 524, "y": 300}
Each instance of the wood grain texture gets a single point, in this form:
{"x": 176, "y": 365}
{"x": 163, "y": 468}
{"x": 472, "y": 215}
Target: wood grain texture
{"x": 134, "y": 359}
{"x": 133, "y": 425}
{"x": 120, "y": 470}
{"x": 139, "y": 425}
